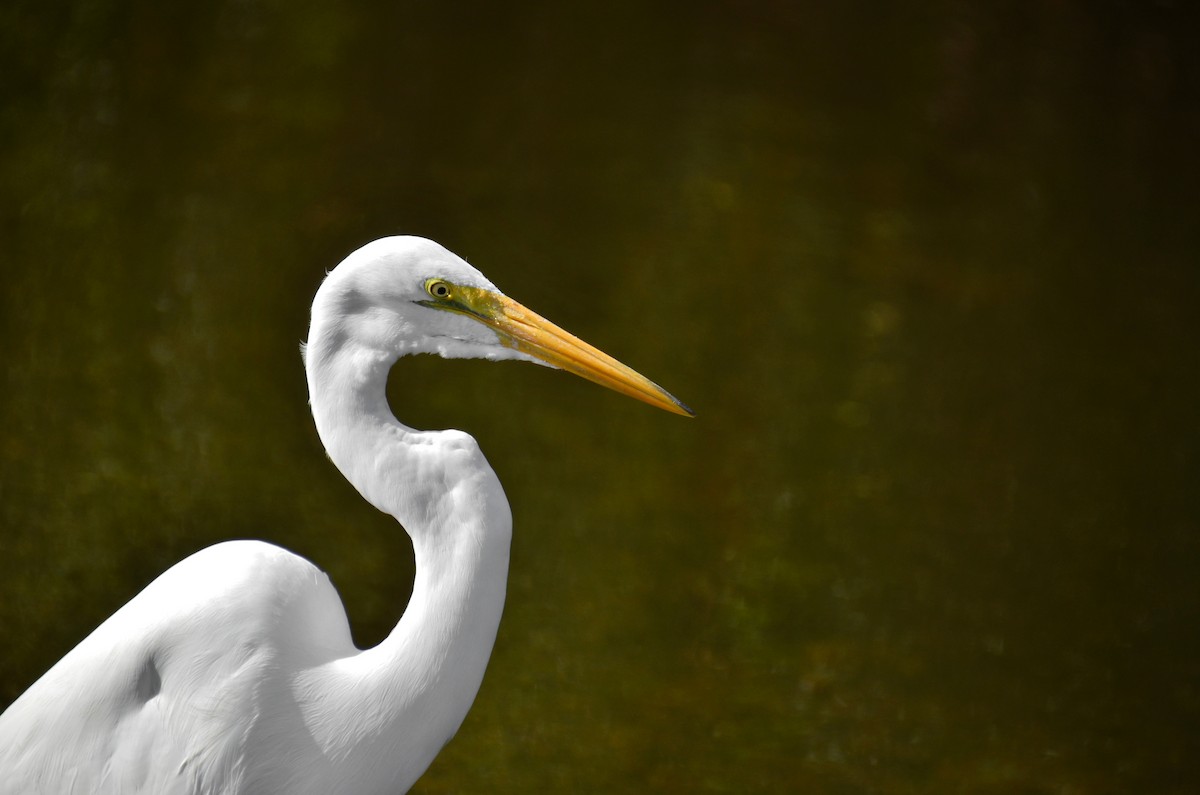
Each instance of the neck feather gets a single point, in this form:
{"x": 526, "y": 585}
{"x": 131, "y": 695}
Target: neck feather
{"x": 402, "y": 700}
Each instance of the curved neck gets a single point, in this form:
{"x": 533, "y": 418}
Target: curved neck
{"x": 402, "y": 700}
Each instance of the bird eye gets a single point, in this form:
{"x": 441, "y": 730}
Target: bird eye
{"x": 438, "y": 289}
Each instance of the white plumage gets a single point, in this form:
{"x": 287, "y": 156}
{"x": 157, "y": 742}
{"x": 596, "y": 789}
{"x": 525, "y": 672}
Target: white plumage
{"x": 234, "y": 671}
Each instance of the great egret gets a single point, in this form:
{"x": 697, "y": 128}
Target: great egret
{"x": 234, "y": 671}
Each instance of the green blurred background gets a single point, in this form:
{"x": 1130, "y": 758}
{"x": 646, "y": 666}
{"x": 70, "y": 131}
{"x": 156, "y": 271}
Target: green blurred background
{"x": 928, "y": 272}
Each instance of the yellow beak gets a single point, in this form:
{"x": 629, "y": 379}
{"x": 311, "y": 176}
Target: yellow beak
{"x": 532, "y": 334}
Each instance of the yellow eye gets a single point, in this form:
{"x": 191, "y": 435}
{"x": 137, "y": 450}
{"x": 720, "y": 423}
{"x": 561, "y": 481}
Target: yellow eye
{"x": 438, "y": 289}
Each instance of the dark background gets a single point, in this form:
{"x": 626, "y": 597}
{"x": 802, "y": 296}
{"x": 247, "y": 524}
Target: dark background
{"x": 926, "y": 271}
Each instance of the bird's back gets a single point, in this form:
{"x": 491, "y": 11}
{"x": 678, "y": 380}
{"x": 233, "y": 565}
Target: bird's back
{"x": 169, "y": 693}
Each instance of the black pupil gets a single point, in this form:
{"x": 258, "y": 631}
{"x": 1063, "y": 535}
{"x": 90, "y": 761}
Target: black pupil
{"x": 441, "y": 291}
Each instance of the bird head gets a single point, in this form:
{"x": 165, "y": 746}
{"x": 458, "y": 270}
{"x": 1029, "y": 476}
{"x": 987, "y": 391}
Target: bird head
{"x": 409, "y": 295}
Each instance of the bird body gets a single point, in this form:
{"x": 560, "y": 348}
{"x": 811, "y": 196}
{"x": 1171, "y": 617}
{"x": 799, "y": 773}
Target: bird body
{"x": 235, "y": 671}
{"x": 149, "y": 701}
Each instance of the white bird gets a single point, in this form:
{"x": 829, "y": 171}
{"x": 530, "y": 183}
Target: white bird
{"x": 234, "y": 671}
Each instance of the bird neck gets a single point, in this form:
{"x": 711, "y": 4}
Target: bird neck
{"x": 409, "y": 694}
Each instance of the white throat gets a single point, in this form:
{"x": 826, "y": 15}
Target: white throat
{"x": 403, "y": 699}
